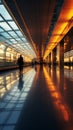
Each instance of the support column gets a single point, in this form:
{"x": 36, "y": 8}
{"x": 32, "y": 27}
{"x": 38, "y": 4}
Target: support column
{"x": 50, "y": 59}
{"x": 61, "y": 54}
{"x": 54, "y": 56}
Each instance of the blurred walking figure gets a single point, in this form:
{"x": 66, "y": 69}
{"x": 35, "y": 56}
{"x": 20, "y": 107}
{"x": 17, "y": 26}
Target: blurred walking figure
{"x": 20, "y": 64}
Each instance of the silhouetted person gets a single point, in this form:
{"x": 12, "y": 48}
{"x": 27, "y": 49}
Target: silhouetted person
{"x": 20, "y": 64}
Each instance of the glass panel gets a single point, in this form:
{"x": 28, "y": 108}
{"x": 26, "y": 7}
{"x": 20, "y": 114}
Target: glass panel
{"x": 22, "y": 43}
{"x": 13, "y": 25}
{"x": 4, "y": 13}
{"x": 12, "y": 33}
{"x": 1, "y": 30}
{"x": 2, "y": 39}
{"x": 1, "y": 19}
{"x": 26, "y": 43}
{"x": 18, "y": 39}
{"x": 24, "y": 39}
{"x": 6, "y": 35}
{"x": 20, "y": 46}
{"x": 24, "y": 46}
{"x": 19, "y": 33}
{"x": 5, "y": 26}
{"x": 9, "y": 42}
{"x": 19, "y": 42}
{"x": 12, "y": 40}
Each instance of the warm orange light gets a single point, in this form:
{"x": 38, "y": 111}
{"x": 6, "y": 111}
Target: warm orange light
{"x": 64, "y": 23}
{"x": 57, "y": 99}
{"x": 28, "y": 59}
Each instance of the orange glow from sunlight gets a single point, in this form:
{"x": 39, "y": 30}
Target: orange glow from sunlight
{"x": 64, "y": 23}
{"x": 56, "y": 96}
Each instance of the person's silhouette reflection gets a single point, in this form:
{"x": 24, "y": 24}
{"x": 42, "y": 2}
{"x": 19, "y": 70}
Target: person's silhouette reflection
{"x": 21, "y": 82}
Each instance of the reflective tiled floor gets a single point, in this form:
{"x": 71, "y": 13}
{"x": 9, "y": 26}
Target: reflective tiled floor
{"x": 42, "y": 98}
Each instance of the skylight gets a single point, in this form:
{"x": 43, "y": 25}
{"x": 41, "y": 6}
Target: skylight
{"x": 11, "y": 34}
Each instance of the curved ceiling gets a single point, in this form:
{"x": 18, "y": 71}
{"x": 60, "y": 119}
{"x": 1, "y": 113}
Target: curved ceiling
{"x": 42, "y": 22}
